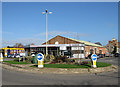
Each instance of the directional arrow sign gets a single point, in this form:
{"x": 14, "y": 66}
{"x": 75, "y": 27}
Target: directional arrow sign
{"x": 94, "y": 57}
{"x": 40, "y": 56}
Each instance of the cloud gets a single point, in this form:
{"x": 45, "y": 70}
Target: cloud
{"x": 36, "y": 38}
{"x": 24, "y": 41}
{"x": 66, "y": 33}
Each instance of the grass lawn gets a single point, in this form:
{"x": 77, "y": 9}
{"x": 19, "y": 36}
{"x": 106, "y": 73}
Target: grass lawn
{"x": 15, "y": 62}
{"x": 99, "y": 64}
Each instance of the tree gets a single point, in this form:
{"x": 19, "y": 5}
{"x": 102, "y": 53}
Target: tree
{"x": 32, "y": 44}
{"x": 18, "y": 45}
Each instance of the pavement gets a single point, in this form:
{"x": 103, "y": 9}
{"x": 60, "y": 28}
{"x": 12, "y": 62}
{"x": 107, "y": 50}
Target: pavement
{"x": 8, "y": 59}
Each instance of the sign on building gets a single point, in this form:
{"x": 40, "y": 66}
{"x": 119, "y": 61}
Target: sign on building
{"x": 62, "y": 47}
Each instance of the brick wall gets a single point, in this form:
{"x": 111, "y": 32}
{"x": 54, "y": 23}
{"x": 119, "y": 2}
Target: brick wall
{"x": 61, "y": 40}
{"x": 88, "y": 48}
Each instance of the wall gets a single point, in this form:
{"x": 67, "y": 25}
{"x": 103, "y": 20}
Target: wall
{"x": 61, "y": 40}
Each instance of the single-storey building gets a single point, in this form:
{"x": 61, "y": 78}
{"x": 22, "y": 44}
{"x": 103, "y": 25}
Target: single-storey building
{"x": 60, "y": 45}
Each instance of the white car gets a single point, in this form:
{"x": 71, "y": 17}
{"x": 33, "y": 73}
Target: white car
{"x": 12, "y": 56}
{"x": 17, "y": 56}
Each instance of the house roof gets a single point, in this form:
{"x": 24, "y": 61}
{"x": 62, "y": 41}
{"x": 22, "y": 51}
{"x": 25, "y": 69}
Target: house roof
{"x": 87, "y": 43}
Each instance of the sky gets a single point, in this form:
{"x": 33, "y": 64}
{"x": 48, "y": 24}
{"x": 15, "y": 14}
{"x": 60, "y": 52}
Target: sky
{"x": 23, "y": 22}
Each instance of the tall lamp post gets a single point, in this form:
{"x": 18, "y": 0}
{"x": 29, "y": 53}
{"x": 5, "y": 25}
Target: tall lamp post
{"x": 46, "y": 12}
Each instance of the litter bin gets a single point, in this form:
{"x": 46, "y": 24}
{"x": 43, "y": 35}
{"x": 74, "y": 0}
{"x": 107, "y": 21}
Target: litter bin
{"x": 33, "y": 58}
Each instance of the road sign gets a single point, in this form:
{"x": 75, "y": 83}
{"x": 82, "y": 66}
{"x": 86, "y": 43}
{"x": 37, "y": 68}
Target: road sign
{"x": 94, "y": 59}
{"x": 40, "y": 58}
{"x": 1, "y": 57}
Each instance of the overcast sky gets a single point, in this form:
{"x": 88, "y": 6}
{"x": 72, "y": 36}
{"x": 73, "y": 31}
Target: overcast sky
{"x": 90, "y": 21}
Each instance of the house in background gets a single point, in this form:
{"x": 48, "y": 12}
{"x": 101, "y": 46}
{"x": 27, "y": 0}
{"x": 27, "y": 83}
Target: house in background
{"x": 111, "y": 44}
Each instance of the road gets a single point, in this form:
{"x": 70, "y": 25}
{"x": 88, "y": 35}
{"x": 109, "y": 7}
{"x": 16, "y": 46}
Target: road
{"x": 112, "y": 60}
{"x": 22, "y": 78}
{"x": 8, "y": 59}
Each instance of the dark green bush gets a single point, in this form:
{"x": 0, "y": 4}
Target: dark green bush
{"x": 16, "y": 59}
{"x": 61, "y": 59}
{"x": 29, "y": 59}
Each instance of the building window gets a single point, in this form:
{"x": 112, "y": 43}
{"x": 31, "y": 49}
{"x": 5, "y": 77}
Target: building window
{"x": 81, "y": 51}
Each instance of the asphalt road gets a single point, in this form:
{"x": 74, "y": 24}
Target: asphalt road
{"x": 111, "y": 60}
{"x": 22, "y": 78}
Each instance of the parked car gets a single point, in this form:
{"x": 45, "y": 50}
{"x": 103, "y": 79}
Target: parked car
{"x": 111, "y": 55}
{"x": 12, "y": 55}
{"x": 107, "y": 54}
{"x": 116, "y": 54}
{"x": 17, "y": 56}
{"x": 8, "y": 56}
{"x": 89, "y": 56}
{"x": 100, "y": 55}
{"x": 68, "y": 54}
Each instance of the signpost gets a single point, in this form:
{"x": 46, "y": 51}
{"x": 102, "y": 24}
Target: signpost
{"x": 1, "y": 57}
{"x": 40, "y": 58}
{"x": 94, "y": 59}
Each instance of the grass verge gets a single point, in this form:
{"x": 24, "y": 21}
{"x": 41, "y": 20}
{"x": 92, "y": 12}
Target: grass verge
{"x": 15, "y": 62}
{"x": 99, "y": 64}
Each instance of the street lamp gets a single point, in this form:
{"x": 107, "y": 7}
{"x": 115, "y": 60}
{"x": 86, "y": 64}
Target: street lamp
{"x": 46, "y": 12}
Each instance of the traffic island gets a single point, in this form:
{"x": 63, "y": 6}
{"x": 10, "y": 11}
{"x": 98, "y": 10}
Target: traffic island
{"x": 32, "y": 68}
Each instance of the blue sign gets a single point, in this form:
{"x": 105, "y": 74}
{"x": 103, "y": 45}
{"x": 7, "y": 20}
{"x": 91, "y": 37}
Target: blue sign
{"x": 40, "y": 56}
{"x": 94, "y": 57}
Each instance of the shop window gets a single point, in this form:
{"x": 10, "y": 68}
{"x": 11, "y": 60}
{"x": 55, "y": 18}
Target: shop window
{"x": 81, "y": 51}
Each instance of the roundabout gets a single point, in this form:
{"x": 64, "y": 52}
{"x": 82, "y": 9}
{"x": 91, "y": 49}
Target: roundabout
{"x": 60, "y": 68}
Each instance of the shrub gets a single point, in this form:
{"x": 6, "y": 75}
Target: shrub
{"x": 53, "y": 62}
{"x": 84, "y": 63}
{"x": 61, "y": 59}
{"x": 45, "y": 60}
{"x": 29, "y": 59}
{"x": 69, "y": 61}
{"x": 16, "y": 59}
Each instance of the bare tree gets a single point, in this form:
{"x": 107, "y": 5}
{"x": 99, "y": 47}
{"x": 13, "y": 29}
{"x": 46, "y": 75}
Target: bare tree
{"x": 18, "y": 45}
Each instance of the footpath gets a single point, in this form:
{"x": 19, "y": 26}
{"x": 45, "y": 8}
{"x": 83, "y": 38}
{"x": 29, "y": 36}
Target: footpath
{"x": 28, "y": 69}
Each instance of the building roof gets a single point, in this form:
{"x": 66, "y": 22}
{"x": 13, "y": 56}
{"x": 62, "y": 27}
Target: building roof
{"x": 87, "y": 43}
{"x": 80, "y": 41}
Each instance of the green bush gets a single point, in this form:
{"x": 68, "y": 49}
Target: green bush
{"x": 45, "y": 60}
{"x": 47, "y": 57}
{"x": 16, "y": 59}
{"x": 61, "y": 59}
{"x": 69, "y": 61}
{"x": 29, "y": 59}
